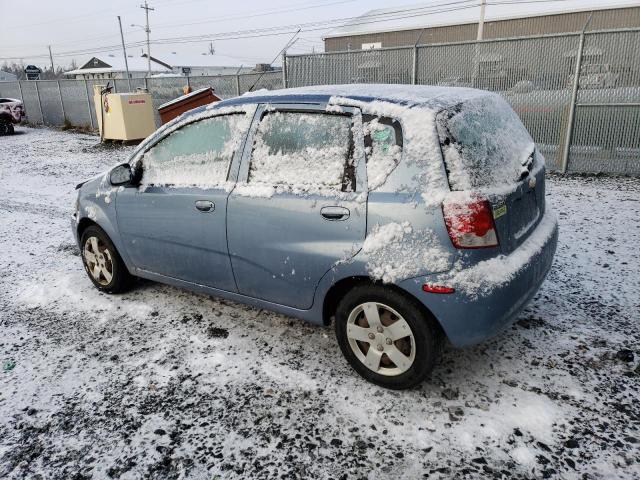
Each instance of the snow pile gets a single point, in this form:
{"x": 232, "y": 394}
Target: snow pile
{"x": 484, "y": 276}
{"x": 92, "y": 212}
{"x": 395, "y": 251}
{"x": 197, "y": 155}
{"x": 254, "y": 190}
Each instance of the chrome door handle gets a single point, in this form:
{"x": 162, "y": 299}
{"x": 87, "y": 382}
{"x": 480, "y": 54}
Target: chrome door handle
{"x": 334, "y": 213}
{"x": 205, "y": 205}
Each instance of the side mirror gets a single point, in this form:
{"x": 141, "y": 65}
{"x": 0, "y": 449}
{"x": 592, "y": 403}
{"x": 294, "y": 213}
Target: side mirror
{"x": 121, "y": 175}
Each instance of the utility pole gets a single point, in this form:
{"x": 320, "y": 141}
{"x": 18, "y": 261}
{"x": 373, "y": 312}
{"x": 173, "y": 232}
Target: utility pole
{"x": 124, "y": 52}
{"x": 51, "y": 58}
{"x": 476, "y": 57}
{"x": 146, "y": 8}
{"x": 483, "y": 4}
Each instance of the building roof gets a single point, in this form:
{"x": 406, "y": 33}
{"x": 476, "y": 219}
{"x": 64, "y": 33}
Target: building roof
{"x": 191, "y": 59}
{"x": 7, "y": 76}
{"x": 115, "y": 63}
{"x": 417, "y": 16}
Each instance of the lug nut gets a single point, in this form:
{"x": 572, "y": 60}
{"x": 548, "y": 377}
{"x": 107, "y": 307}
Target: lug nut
{"x": 389, "y": 341}
{"x": 380, "y": 347}
{"x": 380, "y": 329}
{"x": 372, "y": 336}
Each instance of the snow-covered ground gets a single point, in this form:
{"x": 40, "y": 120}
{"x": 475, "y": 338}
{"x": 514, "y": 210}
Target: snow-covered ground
{"x": 163, "y": 383}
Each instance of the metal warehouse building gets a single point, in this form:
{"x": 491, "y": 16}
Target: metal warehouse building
{"x": 458, "y": 21}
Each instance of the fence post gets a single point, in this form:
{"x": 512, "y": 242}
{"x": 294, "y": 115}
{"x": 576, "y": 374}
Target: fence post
{"x": 414, "y": 73}
{"x": 188, "y": 83}
{"x": 238, "y": 84}
{"x": 64, "y": 115}
{"x": 39, "y": 101}
{"x": 572, "y": 106}
{"x": 146, "y": 84}
{"x": 22, "y": 98}
{"x": 86, "y": 89}
{"x": 284, "y": 69}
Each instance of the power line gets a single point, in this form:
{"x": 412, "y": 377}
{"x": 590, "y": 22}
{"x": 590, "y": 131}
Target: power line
{"x": 310, "y": 26}
{"x": 164, "y": 26}
{"x": 271, "y": 31}
{"x": 305, "y": 27}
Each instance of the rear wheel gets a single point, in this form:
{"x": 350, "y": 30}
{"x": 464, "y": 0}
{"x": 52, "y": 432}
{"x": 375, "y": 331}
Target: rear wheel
{"x": 386, "y": 337}
{"x": 102, "y": 262}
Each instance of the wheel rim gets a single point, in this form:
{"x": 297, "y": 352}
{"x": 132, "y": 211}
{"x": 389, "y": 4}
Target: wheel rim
{"x": 98, "y": 260}
{"x": 381, "y": 339}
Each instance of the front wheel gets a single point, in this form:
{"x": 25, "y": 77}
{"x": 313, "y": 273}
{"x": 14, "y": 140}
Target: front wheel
{"x": 386, "y": 336}
{"x": 102, "y": 262}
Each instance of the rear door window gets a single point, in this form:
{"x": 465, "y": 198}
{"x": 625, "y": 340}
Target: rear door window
{"x": 198, "y": 154}
{"x": 303, "y": 151}
{"x": 484, "y": 144}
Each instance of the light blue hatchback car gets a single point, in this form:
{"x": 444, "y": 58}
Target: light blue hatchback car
{"x": 406, "y": 214}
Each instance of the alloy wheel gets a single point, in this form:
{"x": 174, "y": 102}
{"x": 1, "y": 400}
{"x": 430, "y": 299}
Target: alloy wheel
{"x": 381, "y": 339}
{"x": 98, "y": 260}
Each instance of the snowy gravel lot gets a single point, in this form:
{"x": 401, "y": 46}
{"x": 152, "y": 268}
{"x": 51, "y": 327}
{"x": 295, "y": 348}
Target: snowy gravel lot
{"x": 163, "y": 383}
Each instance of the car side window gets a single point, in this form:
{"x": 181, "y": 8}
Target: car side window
{"x": 383, "y": 148}
{"x": 198, "y": 154}
{"x": 304, "y": 151}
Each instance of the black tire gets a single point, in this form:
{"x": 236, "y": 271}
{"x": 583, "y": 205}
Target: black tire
{"x": 121, "y": 280}
{"x": 10, "y": 129}
{"x": 4, "y": 127}
{"x": 427, "y": 335}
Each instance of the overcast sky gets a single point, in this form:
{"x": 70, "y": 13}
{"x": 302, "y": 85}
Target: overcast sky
{"x": 28, "y": 26}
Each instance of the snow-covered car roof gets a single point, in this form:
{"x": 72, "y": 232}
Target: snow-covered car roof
{"x": 431, "y": 97}
{"x": 425, "y": 95}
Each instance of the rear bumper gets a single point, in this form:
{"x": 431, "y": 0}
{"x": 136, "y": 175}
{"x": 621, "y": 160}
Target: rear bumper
{"x": 471, "y": 315}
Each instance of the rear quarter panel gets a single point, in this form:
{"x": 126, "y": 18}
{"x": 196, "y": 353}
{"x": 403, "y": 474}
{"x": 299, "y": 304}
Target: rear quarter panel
{"x": 411, "y": 198}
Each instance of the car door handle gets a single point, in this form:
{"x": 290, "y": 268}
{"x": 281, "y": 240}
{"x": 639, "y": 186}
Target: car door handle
{"x": 205, "y": 205}
{"x": 334, "y": 213}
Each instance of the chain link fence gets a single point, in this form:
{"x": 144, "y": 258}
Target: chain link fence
{"x": 584, "y": 123}
{"x": 52, "y": 102}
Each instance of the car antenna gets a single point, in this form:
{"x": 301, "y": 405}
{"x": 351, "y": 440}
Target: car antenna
{"x": 291, "y": 41}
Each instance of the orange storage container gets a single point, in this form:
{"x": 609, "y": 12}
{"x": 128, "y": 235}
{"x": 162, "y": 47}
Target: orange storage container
{"x": 170, "y": 110}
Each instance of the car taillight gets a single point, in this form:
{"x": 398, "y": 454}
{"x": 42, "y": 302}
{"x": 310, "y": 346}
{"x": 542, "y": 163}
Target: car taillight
{"x": 470, "y": 223}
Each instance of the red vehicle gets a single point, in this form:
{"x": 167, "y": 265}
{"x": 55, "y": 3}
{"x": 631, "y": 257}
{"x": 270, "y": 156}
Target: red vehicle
{"x": 11, "y": 111}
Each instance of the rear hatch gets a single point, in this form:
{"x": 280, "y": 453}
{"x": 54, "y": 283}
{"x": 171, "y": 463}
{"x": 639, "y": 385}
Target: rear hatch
{"x": 488, "y": 151}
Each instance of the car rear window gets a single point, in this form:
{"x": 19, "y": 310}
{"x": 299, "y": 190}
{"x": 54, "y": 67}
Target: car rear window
{"x": 484, "y": 144}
